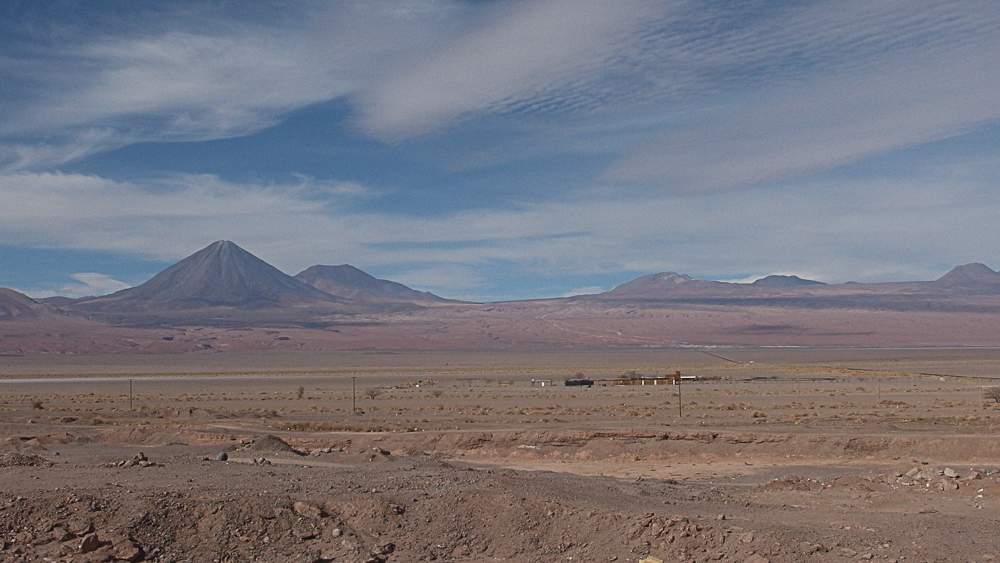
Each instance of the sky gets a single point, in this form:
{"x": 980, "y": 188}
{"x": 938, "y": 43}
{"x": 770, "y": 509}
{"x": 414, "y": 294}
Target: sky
{"x": 499, "y": 149}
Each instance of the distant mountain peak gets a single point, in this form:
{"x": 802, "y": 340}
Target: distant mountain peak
{"x": 350, "y": 282}
{"x": 776, "y": 280}
{"x": 662, "y": 283}
{"x": 969, "y": 274}
{"x": 221, "y": 274}
{"x": 672, "y": 277}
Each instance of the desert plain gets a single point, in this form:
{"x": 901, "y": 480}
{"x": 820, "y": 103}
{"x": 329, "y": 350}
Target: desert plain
{"x": 772, "y": 454}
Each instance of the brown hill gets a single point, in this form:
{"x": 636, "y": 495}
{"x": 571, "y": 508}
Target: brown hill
{"x": 784, "y": 281}
{"x": 57, "y": 301}
{"x": 349, "y": 282}
{"x": 669, "y": 284}
{"x": 14, "y": 305}
{"x": 220, "y": 275}
{"x": 970, "y": 276}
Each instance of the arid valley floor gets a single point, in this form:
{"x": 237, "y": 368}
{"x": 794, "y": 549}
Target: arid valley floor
{"x": 773, "y": 454}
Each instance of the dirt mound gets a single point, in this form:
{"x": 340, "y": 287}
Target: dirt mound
{"x": 791, "y": 483}
{"x": 13, "y": 459}
{"x": 270, "y": 443}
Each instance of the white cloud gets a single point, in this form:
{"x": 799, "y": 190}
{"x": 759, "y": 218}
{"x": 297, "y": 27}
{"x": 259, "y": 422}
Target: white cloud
{"x": 840, "y": 119}
{"x": 684, "y": 96}
{"x": 205, "y": 80}
{"x": 589, "y": 290}
{"x": 780, "y": 91}
{"x": 523, "y": 51}
{"x": 832, "y": 230}
{"x": 88, "y": 284}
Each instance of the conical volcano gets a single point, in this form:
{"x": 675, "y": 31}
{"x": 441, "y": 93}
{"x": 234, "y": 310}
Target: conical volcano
{"x": 220, "y": 275}
{"x": 970, "y": 275}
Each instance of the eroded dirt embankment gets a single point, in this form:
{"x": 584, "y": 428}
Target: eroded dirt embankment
{"x": 600, "y": 447}
{"x": 382, "y": 498}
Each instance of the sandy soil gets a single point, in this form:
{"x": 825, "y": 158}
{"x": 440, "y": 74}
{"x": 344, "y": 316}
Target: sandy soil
{"x": 529, "y": 325}
{"x": 772, "y": 455}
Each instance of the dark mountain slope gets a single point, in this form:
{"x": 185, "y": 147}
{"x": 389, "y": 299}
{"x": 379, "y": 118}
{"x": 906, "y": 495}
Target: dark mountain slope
{"x": 220, "y": 275}
{"x": 784, "y": 281}
{"x": 347, "y": 281}
{"x": 14, "y": 305}
{"x": 970, "y": 276}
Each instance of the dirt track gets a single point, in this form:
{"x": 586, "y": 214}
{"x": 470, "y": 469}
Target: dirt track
{"x": 781, "y": 460}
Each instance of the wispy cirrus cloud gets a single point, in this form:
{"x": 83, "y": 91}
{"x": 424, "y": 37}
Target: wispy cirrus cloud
{"x": 732, "y": 94}
{"x": 195, "y": 80}
{"x": 704, "y": 131}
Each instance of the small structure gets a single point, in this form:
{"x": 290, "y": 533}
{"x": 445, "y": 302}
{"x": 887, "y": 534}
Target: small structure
{"x": 638, "y": 379}
{"x": 541, "y": 383}
{"x": 579, "y": 383}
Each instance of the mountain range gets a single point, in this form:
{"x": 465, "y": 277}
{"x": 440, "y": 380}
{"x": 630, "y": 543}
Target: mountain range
{"x": 967, "y": 279}
{"x": 226, "y": 287}
{"x": 224, "y": 277}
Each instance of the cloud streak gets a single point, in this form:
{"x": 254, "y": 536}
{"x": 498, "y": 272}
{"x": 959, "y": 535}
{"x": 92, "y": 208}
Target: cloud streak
{"x": 842, "y": 231}
{"x": 714, "y": 139}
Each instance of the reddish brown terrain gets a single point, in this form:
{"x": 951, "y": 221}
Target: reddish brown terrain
{"x": 770, "y": 455}
{"x": 224, "y": 298}
{"x": 225, "y": 411}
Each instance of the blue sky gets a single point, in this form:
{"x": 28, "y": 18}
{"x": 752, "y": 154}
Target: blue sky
{"x": 499, "y": 149}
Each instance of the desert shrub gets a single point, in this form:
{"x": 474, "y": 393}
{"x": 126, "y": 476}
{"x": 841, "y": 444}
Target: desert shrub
{"x": 373, "y": 392}
{"x": 300, "y": 392}
{"x": 992, "y": 393}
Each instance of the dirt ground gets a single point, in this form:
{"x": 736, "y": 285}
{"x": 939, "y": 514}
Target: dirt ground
{"x": 772, "y": 454}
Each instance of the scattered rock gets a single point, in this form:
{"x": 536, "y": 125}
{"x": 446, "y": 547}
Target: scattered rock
{"x": 222, "y": 456}
{"x": 61, "y": 534}
{"x": 308, "y": 510}
{"x": 14, "y": 459}
{"x": 385, "y": 549}
{"x": 127, "y": 551}
{"x": 947, "y": 485}
{"x": 79, "y": 527}
{"x": 89, "y": 543}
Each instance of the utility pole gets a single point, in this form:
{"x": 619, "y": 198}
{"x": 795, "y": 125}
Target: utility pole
{"x": 354, "y": 394}
{"x": 130, "y": 395}
{"x": 680, "y": 403}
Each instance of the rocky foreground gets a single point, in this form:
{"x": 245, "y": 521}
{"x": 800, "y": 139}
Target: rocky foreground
{"x": 351, "y": 501}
